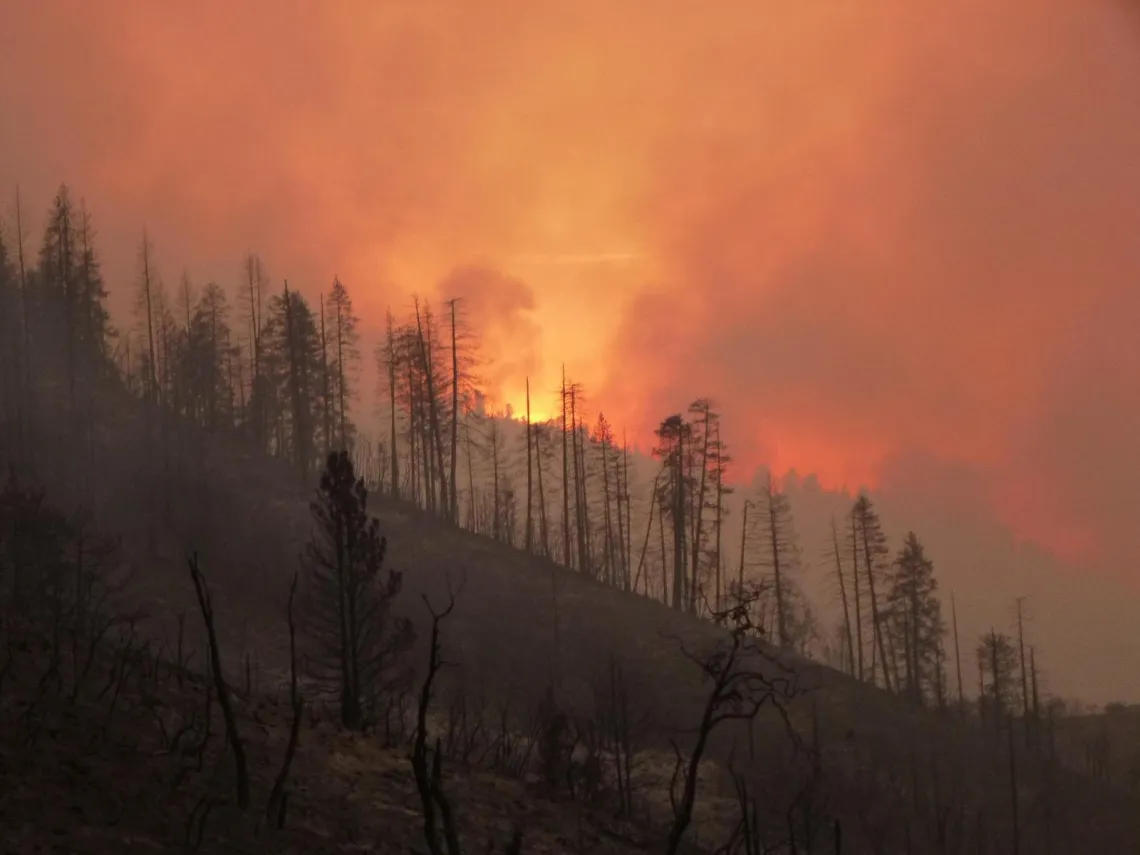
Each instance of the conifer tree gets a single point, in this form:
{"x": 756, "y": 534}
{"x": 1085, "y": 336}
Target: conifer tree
{"x": 915, "y": 615}
{"x": 997, "y": 669}
{"x": 344, "y": 357}
{"x": 674, "y": 436}
{"x": 358, "y": 637}
{"x": 11, "y": 348}
{"x": 291, "y": 348}
{"x": 209, "y": 351}
{"x": 94, "y": 329}
{"x": 59, "y": 303}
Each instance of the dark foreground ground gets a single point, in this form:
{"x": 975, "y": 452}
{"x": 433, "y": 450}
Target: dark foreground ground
{"x": 108, "y": 771}
{"x": 129, "y": 765}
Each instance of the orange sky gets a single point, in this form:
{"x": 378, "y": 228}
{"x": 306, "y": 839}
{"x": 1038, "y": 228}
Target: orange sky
{"x": 874, "y": 232}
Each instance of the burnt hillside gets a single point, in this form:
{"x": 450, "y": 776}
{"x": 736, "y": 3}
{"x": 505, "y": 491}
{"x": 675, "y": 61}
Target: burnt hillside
{"x": 888, "y": 772}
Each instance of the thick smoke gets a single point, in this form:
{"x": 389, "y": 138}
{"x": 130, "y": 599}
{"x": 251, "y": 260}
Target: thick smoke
{"x": 894, "y": 240}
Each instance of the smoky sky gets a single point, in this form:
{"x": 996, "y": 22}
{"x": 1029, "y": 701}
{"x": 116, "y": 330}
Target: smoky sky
{"x": 894, "y": 240}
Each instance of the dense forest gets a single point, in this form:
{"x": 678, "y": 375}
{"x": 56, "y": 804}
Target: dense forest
{"x": 264, "y": 368}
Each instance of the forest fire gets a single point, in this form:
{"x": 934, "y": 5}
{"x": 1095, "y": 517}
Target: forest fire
{"x": 487, "y": 426}
{"x": 808, "y": 245}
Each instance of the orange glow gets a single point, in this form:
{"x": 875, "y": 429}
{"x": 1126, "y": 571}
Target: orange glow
{"x": 516, "y": 402}
{"x": 861, "y": 229}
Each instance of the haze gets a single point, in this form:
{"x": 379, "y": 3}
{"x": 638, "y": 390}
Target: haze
{"x": 894, "y": 241}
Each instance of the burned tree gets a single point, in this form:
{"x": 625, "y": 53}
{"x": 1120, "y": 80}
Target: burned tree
{"x": 780, "y": 557}
{"x": 673, "y": 436}
{"x": 848, "y": 640}
{"x": 743, "y": 680}
{"x": 351, "y": 597}
{"x": 233, "y": 737}
{"x": 869, "y": 544}
{"x": 426, "y": 763}
{"x": 278, "y": 797}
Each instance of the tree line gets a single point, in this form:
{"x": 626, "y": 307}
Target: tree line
{"x": 279, "y": 373}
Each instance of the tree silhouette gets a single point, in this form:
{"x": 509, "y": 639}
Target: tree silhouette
{"x": 359, "y": 637}
{"x": 915, "y": 615}
{"x": 870, "y": 547}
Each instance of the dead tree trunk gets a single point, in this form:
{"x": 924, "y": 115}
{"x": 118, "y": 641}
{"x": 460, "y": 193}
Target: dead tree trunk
{"x": 566, "y": 559}
{"x": 957, "y": 655}
{"x": 843, "y": 598}
{"x": 395, "y": 457}
{"x": 429, "y": 777}
{"x": 529, "y": 479}
{"x": 455, "y": 413}
{"x": 276, "y": 807}
{"x": 205, "y": 604}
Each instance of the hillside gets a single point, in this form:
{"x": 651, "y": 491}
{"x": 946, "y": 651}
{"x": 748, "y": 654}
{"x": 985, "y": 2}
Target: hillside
{"x": 1104, "y": 746}
{"x": 890, "y": 774}
{"x": 113, "y": 773}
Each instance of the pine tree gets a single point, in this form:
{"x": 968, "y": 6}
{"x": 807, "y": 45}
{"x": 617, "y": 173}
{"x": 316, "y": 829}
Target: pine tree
{"x": 58, "y": 291}
{"x": 11, "y": 356}
{"x": 208, "y": 353}
{"x": 293, "y": 342}
{"x": 915, "y": 615}
{"x": 997, "y": 667}
{"x": 344, "y": 355}
{"x": 358, "y": 637}
{"x": 674, "y": 437}
{"x": 94, "y": 329}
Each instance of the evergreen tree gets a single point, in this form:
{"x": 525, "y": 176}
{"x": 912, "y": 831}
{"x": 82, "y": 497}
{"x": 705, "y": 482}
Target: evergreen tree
{"x": 209, "y": 350}
{"x": 291, "y": 359}
{"x": 915, "y": 615}
{"x": 69, "y": 302}
{"x": 344, "y": 359}
{"x": 11, "y": 355}
{"x": 997, "y": 669}
{"x": 674, "y": 436}
{"x": 94, "y": 329}
{"x": 358, "y": 637}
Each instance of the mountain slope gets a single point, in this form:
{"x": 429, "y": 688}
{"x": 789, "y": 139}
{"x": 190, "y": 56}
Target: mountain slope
{"x": 887, "y": 772}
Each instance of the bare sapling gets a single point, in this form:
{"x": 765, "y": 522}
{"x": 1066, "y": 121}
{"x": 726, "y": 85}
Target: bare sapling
{"x": 744, "y": 678}
{"x": 429, "y": 772}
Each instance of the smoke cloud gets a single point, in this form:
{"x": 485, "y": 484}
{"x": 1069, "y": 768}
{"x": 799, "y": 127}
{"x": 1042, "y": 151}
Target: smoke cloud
{"x": 893, "y": 240}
